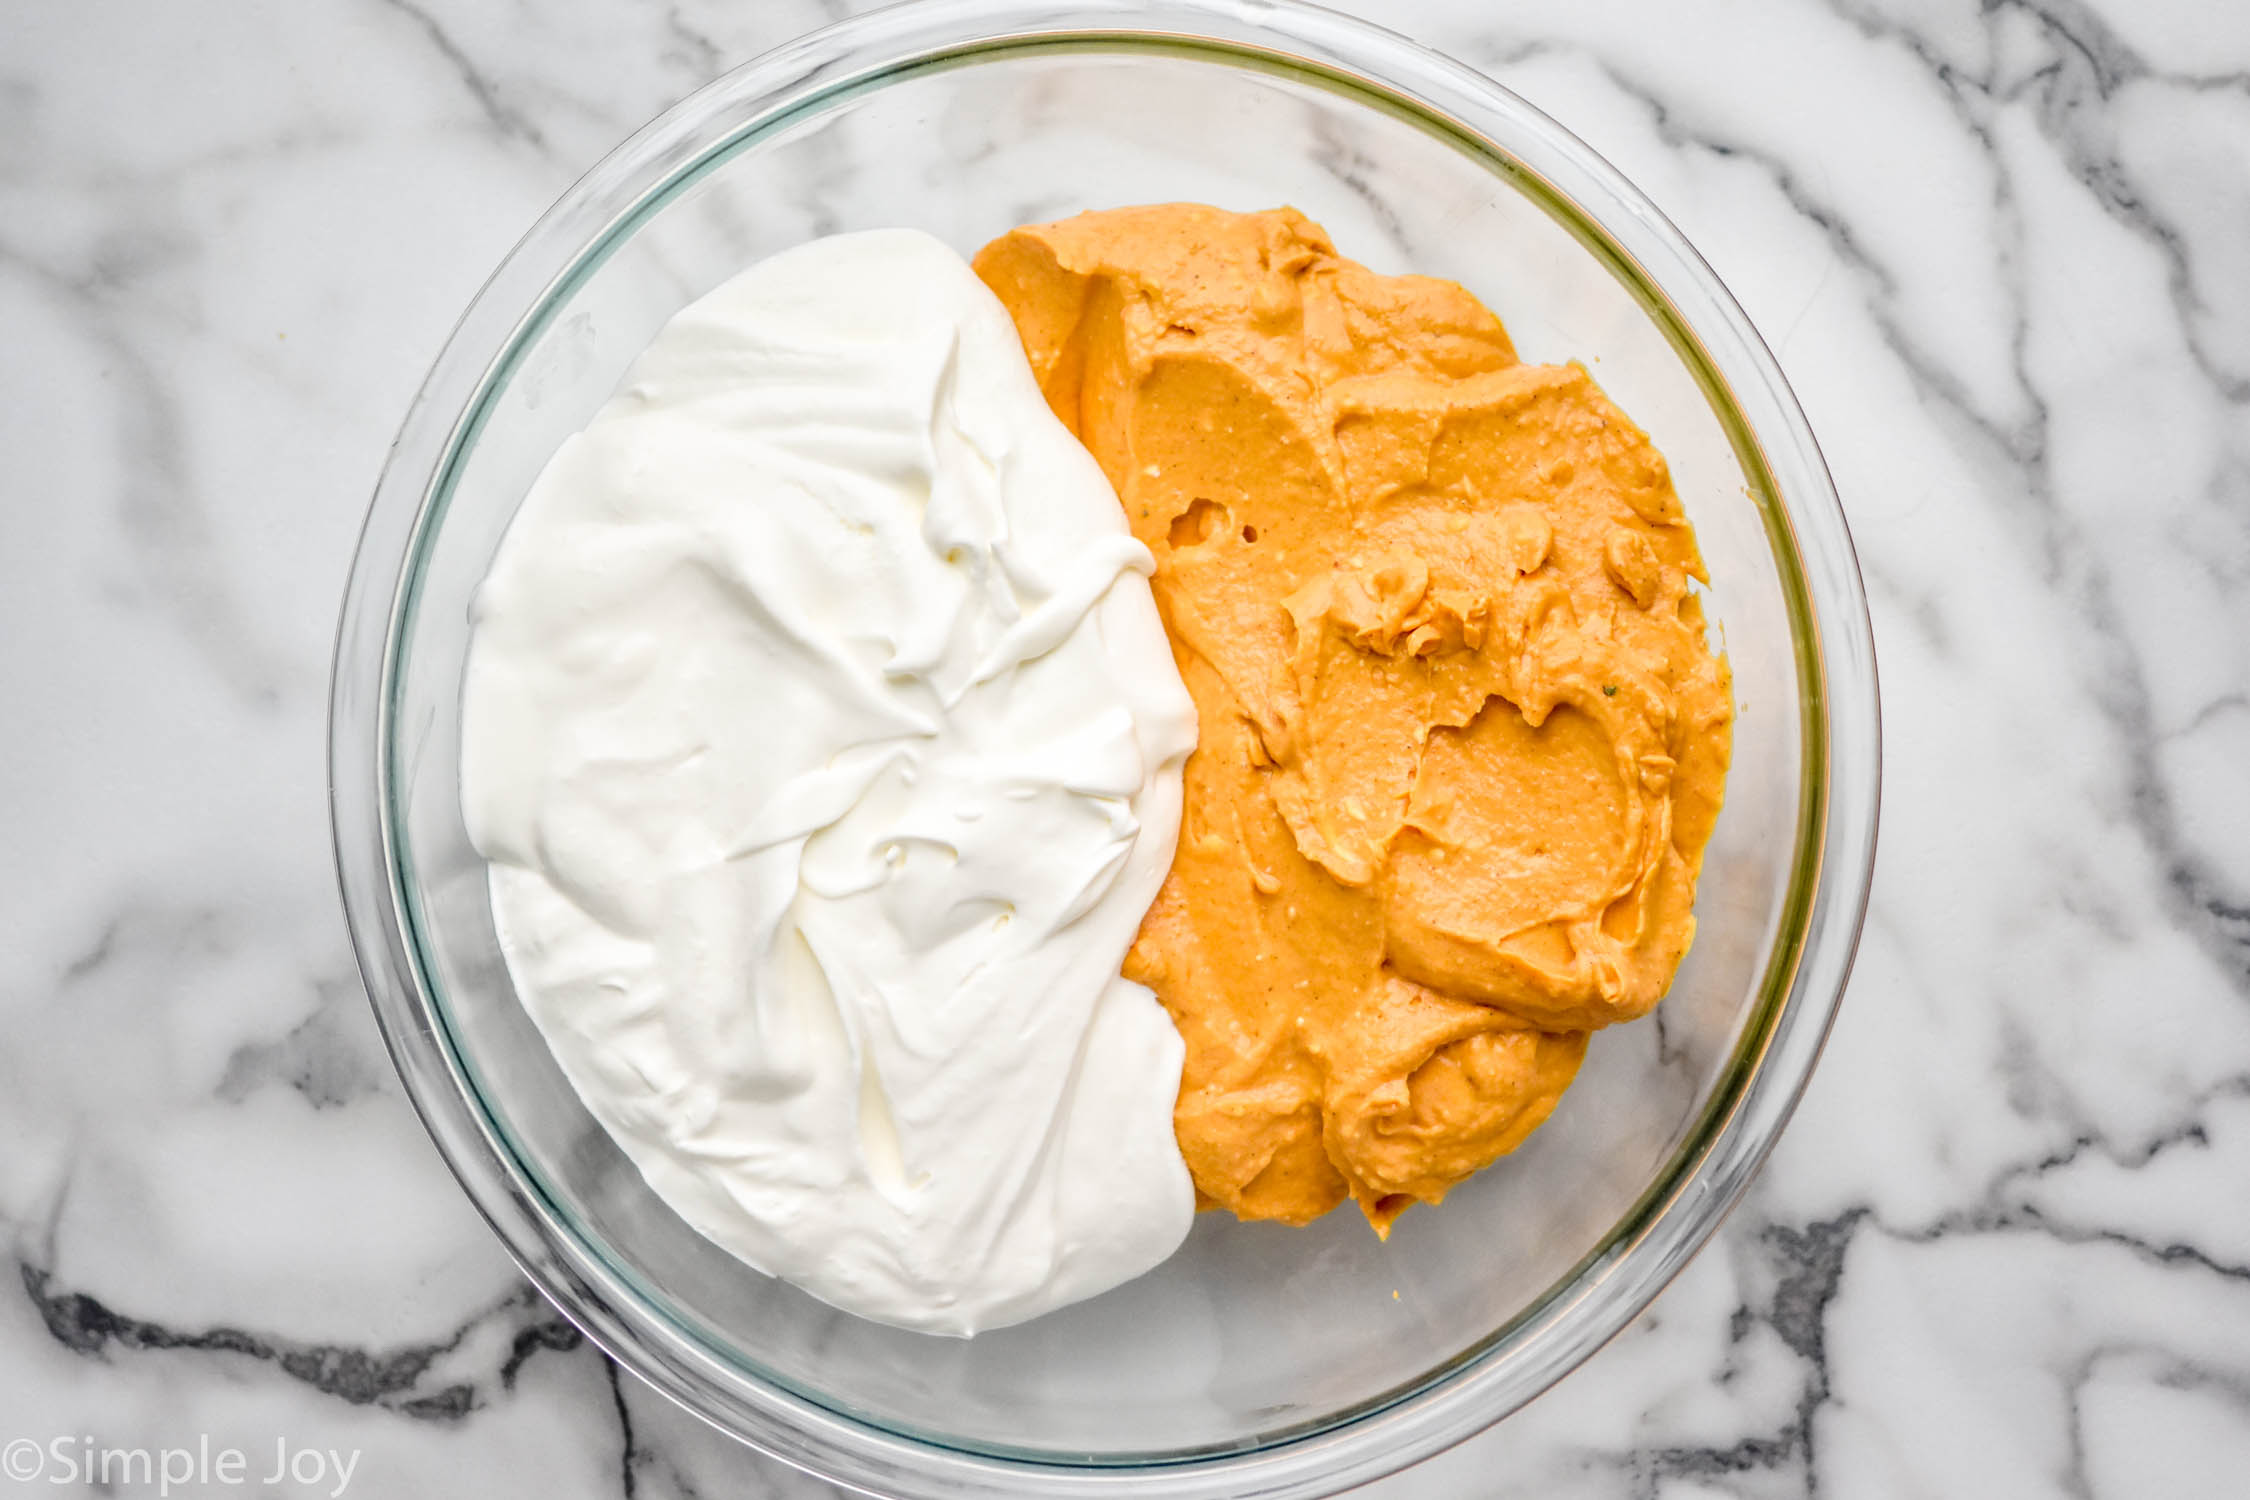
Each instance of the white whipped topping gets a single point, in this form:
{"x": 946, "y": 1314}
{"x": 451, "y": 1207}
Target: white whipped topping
{"x": 826, "y": 745}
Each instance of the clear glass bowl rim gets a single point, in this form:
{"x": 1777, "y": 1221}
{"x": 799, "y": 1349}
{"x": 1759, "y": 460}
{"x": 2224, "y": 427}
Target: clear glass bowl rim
{"x": 1806, "y": 972}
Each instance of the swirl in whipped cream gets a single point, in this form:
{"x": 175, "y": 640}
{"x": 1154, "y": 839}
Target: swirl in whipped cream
{"x": 826, "y": 745}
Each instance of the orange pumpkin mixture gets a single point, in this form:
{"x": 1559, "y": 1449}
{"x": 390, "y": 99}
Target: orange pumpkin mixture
{"x": 1462, "y": 740}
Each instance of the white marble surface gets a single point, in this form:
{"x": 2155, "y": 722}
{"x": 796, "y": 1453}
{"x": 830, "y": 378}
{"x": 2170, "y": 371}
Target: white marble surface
{"x": 1999, "y": 246}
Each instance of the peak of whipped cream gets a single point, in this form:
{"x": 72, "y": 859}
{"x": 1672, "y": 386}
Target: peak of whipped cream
{"x": 826, "y": 745}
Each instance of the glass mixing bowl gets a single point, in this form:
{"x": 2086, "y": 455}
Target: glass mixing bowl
{"x": 1259, "y": 1360}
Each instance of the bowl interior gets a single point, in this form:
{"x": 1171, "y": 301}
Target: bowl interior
{"x": 1251, "y": 1332}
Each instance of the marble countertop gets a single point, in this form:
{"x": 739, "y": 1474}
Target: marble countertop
{"x": 1999, "y": 246}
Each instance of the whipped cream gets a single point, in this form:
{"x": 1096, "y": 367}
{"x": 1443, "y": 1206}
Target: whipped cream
{"x": 826, "y": 746}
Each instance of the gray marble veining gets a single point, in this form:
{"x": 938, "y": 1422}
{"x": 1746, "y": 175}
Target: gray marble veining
{"x": 1997, "y": 244}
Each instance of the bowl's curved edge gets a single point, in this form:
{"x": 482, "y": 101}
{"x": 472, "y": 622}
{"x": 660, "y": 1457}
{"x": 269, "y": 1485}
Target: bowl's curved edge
{"x": 819, "y": 1441}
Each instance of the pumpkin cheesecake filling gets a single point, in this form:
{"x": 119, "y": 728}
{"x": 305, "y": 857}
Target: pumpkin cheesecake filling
{"x": 1461, "y": 738}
